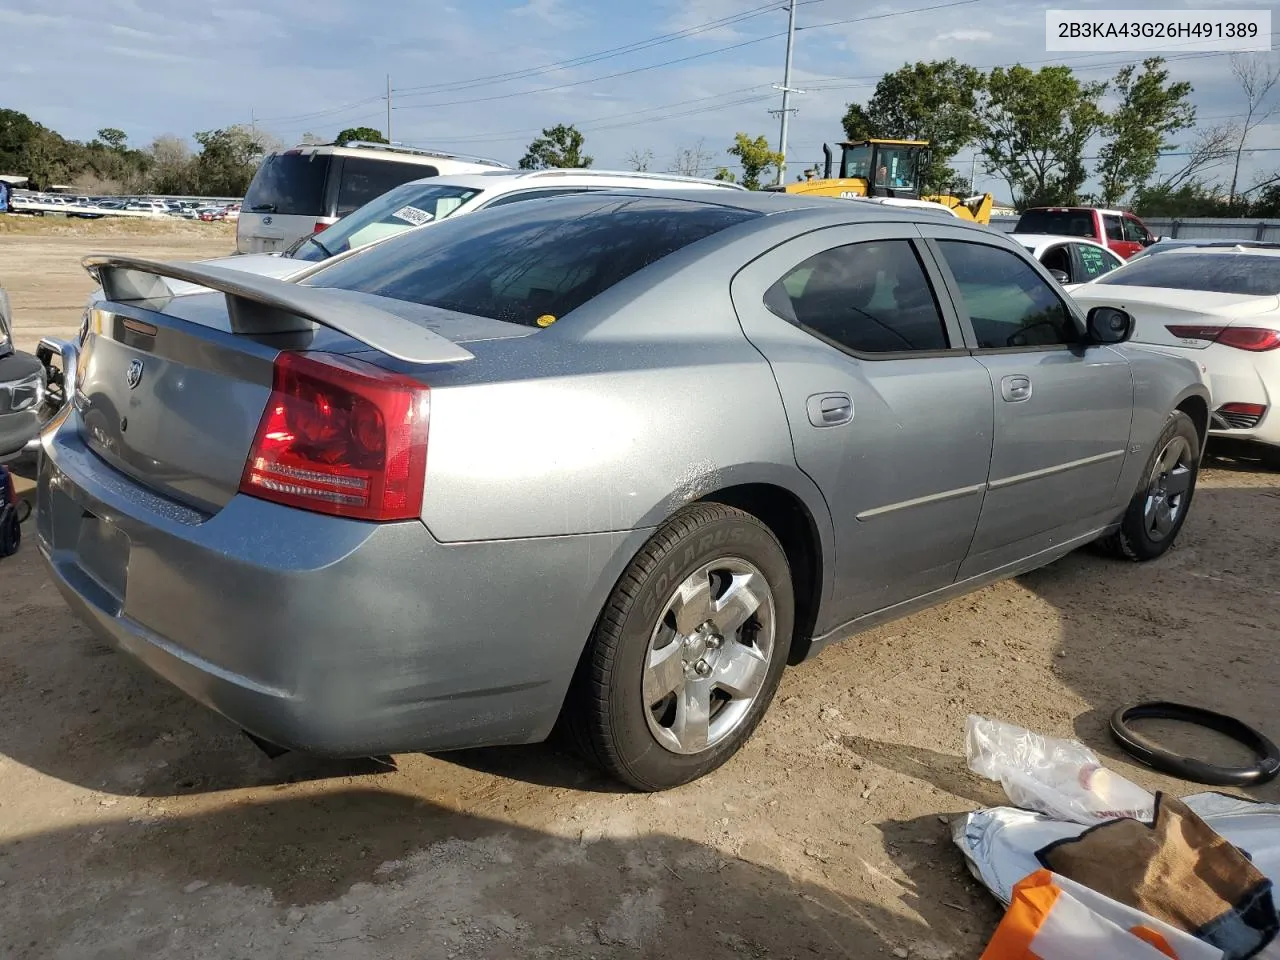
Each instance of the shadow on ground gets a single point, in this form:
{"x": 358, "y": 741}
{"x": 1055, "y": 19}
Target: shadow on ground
{"x": 378, "y": 874}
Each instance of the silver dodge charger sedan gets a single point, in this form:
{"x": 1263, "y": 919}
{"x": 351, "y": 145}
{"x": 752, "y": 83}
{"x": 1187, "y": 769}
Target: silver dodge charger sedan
{"x": 612, "y": 459}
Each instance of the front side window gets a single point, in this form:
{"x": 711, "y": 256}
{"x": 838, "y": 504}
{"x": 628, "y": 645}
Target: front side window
{"x": 857, "y": 161}
{"x": 1008, "y": 303}
{"x": 529, "y": 261}
{"x": 1135, "y": 232}
{"x": 866, "y": 298}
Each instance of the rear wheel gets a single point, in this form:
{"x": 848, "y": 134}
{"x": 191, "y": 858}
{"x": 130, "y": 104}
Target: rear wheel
{"x": 1159, "y": 506}
{"x": 688, "y": 652}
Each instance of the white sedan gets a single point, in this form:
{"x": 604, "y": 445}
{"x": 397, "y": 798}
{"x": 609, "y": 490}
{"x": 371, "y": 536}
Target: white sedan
{"x": 1220, "y": 306}
{"x": 1071, "y": 260}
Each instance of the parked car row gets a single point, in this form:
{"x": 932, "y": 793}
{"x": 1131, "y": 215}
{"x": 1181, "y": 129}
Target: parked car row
{"x": 91, "y": 208}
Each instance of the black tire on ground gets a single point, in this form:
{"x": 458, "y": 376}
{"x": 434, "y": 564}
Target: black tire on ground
{"x": 605, "y": 711}
{"x": 1134, "y": 541}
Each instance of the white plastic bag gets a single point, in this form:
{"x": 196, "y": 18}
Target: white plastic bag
{"x": 1062, "y": 779}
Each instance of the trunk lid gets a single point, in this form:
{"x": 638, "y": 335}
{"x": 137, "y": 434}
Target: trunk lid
{"x": 172, "y": 389}
{"x": 1153, "y": 311}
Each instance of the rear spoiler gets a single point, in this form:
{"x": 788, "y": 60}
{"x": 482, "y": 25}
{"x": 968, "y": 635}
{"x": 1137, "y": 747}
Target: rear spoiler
{"x": 258, "y": 305}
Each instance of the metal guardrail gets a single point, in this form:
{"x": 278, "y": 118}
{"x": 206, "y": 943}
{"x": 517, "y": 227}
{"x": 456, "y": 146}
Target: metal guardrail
{"x": 1191, "y": 228}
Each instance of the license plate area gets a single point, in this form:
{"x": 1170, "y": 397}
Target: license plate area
{"x": 102, "y": 552}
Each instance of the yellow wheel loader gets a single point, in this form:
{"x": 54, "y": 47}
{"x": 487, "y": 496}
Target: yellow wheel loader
{"x": 888, "y": 171}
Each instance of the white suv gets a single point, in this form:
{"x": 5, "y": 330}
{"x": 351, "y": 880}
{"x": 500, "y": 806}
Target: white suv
{"x": 423, "y": 202}
{"x": 305, "y": 189}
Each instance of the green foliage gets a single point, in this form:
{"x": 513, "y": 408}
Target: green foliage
{"x": 935, "y": 101}
{"x": 16, "y": 130}
{"x": 1151, "y": 109}
{"x": 1033, "y": 129}
{"x": 726, "y": 175}
{"x": 368, "y": 134}
{"x": 756, "y": 157}
{"x": 227, "y": 161}
{"x": 114, "y": 138}
{"x": 559, "y": 147}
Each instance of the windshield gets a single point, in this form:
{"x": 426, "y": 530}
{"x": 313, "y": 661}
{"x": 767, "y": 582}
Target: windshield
{"x": 1061, "y": 223}
{"x": 529, "y": 263}
{"x": 396, "y": 211}
{"x": 896, "y": 167}
{"x": 1250, "y": 275}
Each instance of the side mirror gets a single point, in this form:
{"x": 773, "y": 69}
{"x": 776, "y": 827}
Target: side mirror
{"x": 1060, "y": 276}
{"x": 1109, "y": 325}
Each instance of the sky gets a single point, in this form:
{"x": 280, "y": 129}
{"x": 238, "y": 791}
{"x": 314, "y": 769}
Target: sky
{"x": 484, "y": 77}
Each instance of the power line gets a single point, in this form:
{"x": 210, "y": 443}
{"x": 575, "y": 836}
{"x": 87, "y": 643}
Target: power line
{"x": 637, "y": 45}
{"x": 668, "y": 63}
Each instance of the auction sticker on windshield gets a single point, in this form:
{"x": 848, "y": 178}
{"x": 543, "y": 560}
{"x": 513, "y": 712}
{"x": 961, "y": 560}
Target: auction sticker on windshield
{"x": 413, "y": 215}
{"x": 1189, "y": 31}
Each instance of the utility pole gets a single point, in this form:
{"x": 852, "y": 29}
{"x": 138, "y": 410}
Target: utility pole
{"x": 973, "y": 170}
{"x": 253, "y": 121}
{"x": 388, "y": 108}
{"x": 786, "y": 92}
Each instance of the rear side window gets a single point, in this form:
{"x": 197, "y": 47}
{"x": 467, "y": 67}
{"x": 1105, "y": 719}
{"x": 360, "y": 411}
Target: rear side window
{"x": 290, "y": 184}
{"x": 869, "y": 297}
{"x": 1062, "y": 223}
{"x": 544, "y": 258}
{"x": 1114, "y": 229}
{"x": 1095, "y": 261}
{"x": 364, "y": 179}
{"x": 1249, "y": 275}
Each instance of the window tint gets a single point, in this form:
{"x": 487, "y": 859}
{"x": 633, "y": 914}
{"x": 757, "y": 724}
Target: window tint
{"x": 1251, "y": 275}
{"x": 364, "y": 179}
{"x": 1007, "y": 301}
{"x": 1114, "y": 230}
{"x": 529, "y": 260}
{"x": 1095, "y": 261}
{"x": 867, "y": 297}
{"x": 1062, "y": 223}
{"x": 291, "y": 184}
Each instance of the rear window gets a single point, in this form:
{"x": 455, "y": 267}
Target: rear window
{"x": 1236, "y": 273}
{"x": 290, "y": 184}
{"x": 1063, "y": 223}
{"x": 529, "y": 260}
{"x": 365, "y": 179}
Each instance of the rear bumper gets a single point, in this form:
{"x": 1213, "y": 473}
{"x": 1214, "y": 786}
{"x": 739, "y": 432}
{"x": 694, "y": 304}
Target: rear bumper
{"x": 328, "y": 636}
{"x": 1250, "y": 379}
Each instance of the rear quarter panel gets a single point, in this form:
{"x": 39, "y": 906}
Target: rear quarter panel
{"x": 643, "y": 400}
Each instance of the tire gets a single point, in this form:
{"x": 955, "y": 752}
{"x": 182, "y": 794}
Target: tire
{"x": 1140, "y": 537}
{"x": 636, "y": 651}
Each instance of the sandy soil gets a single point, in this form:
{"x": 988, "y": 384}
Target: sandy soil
{"x": 133, "y": 823}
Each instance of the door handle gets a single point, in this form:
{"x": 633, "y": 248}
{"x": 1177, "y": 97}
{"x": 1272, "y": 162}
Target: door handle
{"x": 1016, "y": 388}
{"x": 830, "y": 409}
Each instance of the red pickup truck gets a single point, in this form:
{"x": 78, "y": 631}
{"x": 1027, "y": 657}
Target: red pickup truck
{"x": 1119, "y": 231}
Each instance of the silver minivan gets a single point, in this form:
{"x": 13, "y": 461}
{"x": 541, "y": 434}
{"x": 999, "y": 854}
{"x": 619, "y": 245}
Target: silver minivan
{"x": 301, "y": 191}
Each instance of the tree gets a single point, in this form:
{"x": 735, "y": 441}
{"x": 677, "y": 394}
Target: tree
{"x": 726, "y": 175}
{"x": 227, "y": 160}
{"x": 172, "y": 170}
{"x": 756, "y": 156}
{"x": 934, "y": 101}
{"x": 44, "y": 159}
{"x": 368, "y": 134}
{"x": 113, "y": 137}
{"x": 691, "y": 161}
{"x": 16, "y": 130}
{"x": 1256, "y": 77}
{"x": 640, "y": 159}
{"x": 559, "y": 147}
{"x": 1150, "y": 110}
{"x": 1034, "y": 126}
{"x": 1210, "y": 148}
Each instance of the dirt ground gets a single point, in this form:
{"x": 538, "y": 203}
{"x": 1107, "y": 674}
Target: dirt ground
{"x": 136, "y": 824}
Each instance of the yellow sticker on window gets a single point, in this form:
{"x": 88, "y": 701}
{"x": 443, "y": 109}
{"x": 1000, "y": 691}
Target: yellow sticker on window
{"x": 545, "y": 320}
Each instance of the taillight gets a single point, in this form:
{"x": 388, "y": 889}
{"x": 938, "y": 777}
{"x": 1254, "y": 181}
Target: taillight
{"x": 342, "y": 437}
{"x": 1253, "y": 339}
{"x": 320, "y": 225}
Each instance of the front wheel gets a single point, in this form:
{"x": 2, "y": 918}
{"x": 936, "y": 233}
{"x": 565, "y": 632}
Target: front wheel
{"x": 1159, "y": 506}
{"x": 688, "y": 652}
